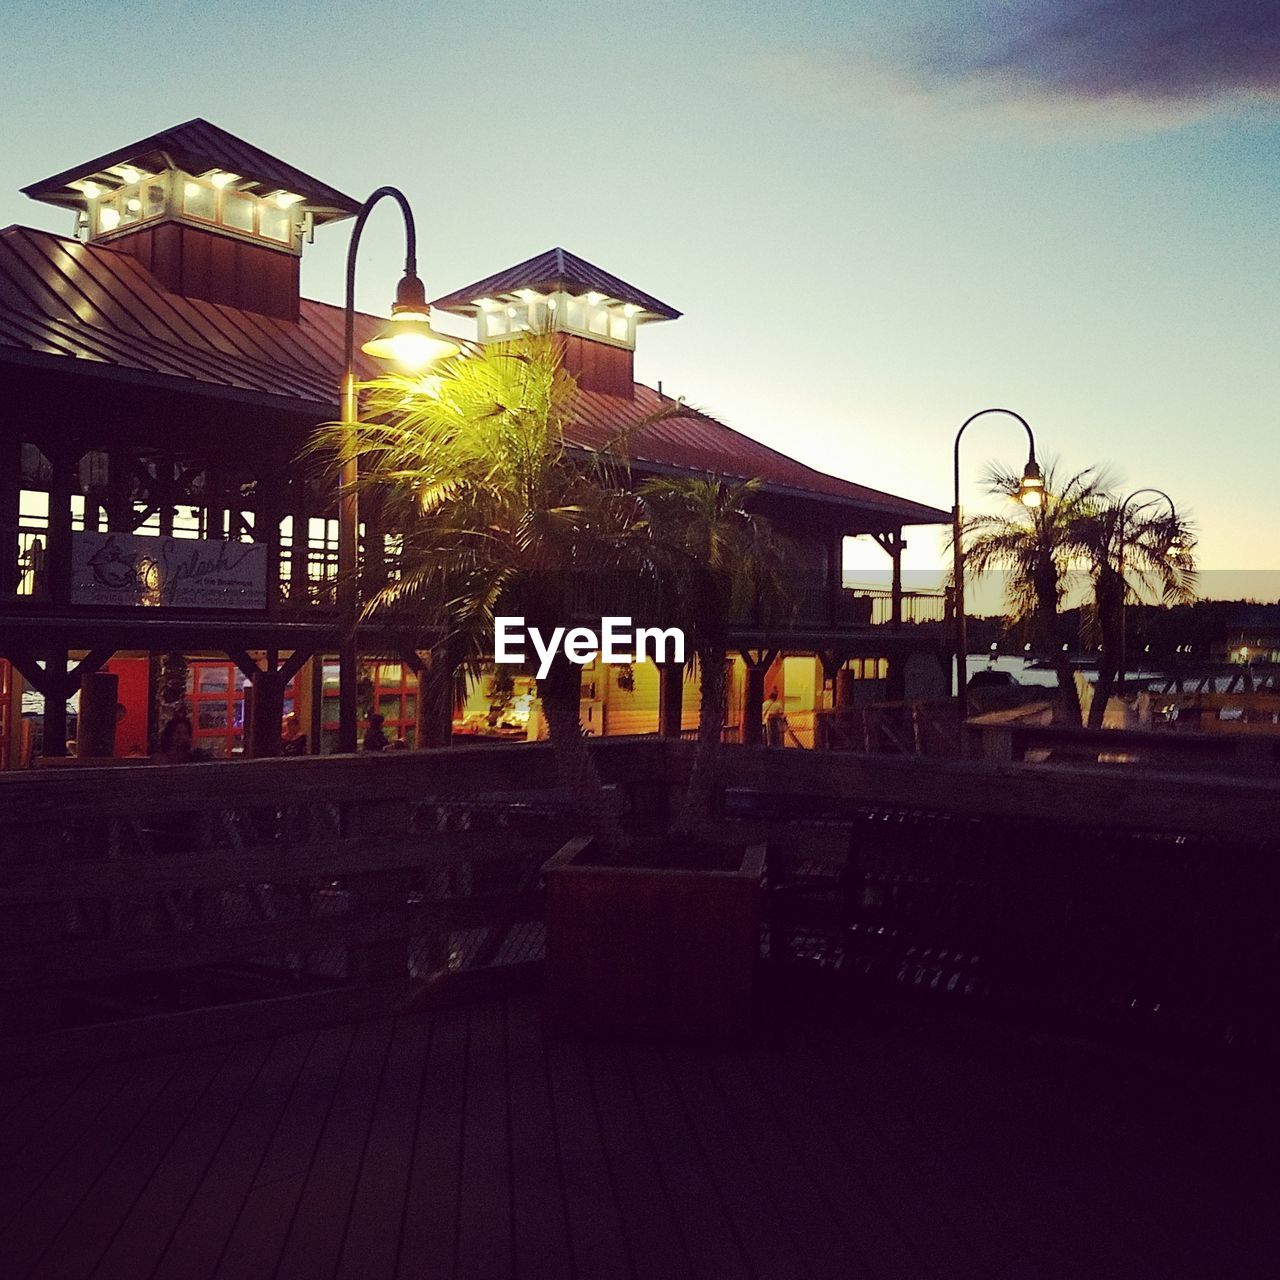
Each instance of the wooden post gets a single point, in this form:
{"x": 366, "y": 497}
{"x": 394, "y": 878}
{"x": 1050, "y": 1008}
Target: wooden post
{"x": 264, "y": 711}
{"x": 96, "y": 734}
{"x": 59, "y": 557}
{"x": 55, "y": 704}
{"x": 753, "y": 702}
{"x": 670, "y": 698}
{"x": 895, "y": 603}
{"x": 10, "y": 483}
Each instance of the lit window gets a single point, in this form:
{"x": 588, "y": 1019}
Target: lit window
{"x": 153, "y": 198}
{"x": 275, "y": 223}
{"x": 199, "y": 201}
{"x": 237, "y": 211}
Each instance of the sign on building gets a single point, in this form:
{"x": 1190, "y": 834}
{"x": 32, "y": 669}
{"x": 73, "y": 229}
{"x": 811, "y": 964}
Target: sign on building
{"x": 180, "y": 573}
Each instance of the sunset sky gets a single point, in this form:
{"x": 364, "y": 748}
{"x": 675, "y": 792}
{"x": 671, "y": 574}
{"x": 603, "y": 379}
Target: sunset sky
{"x": 877, "y": 217}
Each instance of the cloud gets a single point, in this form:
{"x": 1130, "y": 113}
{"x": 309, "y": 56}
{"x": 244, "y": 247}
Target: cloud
{"x": 1131, "y": 63}
{"x": 1156, "y": 51}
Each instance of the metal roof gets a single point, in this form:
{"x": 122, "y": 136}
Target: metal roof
{"x": 669, "y": 435}
{"x": 196, "y": 147}
{"x": 548, "y": 272}
{"x": 97, "y": 309}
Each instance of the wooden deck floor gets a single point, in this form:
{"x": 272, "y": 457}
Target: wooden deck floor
{"x": 460, "y": 1143}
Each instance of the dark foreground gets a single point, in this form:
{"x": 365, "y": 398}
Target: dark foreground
{"x": 460, "y": 1143}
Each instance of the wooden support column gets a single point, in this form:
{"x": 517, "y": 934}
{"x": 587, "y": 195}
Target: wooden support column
{"x": 300, "y": 511}
{"x": 55, "y": 704}
{"x": 96, "y": 732}
{"x": 10, "y": 484}
{"x": 892, "y": 544}
{"x": 59, "y": 555}
{"x": 835, "y": 580}
{"x": 270, "y": 511}
{"x": 758, "y": 662}
{"x": 435, "y": 696}
{"x": 670, "y": 698}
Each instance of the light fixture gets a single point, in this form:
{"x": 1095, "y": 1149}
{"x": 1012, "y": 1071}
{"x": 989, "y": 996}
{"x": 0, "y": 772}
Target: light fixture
{"x": 407, "y": 340}
{"x": 108, "y": 219}
{"x": 1031, "y": 487}
{"x": 129, "y": 173}
{"x": 486, "y": 304}
{"x": 630, "y": 310}
{"x": 286, "y": 198}
{"x": 528, "y": 295}
{"x": 220, "y": 178}
{"x": 133, "y": 204}
{"x": 88, "y": 188}
{"x": 594, "y": 299}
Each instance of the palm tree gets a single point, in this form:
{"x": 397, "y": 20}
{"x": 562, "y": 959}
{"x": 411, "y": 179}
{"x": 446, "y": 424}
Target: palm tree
{"x": 1035, "y": 547}
{"x": 722, "y": 561}
{"x": 1129, "y": 553}
{"x": 499, "y": 516}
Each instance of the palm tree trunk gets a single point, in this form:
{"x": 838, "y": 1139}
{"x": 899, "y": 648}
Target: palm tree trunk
{"x": 695, "y": 809}
{"x": 561, "y": 692}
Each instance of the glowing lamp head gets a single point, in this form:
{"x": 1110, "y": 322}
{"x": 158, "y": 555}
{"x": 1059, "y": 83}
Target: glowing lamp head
{"x": 1031, "y": 488}
{"x": 407, "y": 339}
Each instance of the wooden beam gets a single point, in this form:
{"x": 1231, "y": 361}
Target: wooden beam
{"x": 248, "y": 667}
{"x": 87, "y": 665}
{"x": 293, "y": 664}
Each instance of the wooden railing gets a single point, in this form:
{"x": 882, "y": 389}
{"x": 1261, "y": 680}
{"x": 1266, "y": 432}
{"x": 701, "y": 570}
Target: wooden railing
{"x": 127, "y": 894}
{"x": 1021, "y": 736}
{"x": 156, "y": 906}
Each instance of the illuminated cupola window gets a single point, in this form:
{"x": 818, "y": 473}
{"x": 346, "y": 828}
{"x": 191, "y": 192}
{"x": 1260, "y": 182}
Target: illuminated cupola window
{"x": 558, "y": 292}
{"x": 210, "y": 215}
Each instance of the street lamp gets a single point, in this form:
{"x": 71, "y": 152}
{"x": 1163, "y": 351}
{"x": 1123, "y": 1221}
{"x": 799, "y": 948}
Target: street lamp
{"x": 1030, "y": 494}
{"x": 1121, "y": 523}
{"x": 408, "y": 341}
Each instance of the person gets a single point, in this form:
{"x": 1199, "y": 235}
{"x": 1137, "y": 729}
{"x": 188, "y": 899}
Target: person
{"x": 176, "y": 745}
{"x": 293, "y": 742}
{"x": 374, "y": 738}
{"x": 775, "y": 720}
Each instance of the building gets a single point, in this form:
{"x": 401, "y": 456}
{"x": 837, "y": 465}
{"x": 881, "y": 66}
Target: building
{"x": 161, "y": 373}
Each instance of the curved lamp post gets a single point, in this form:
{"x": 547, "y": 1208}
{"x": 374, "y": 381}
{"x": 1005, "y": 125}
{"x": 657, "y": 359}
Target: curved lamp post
{"x": 1030, "y": 494}
{"x": 1122, "y": 522}
{"x": 408, "y": 341}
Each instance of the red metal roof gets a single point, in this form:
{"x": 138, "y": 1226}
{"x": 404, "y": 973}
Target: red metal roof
{"x": 196, "y": 147}
{"x": 97, "y": 306}
{"x": 683, "y": 439}
{"x": 548, "y": 272}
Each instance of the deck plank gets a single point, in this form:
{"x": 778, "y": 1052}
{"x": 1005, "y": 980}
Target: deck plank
{"x": 263, "y": 1222}
{"x": 378, "y": 1202}
{"x": 766, "y": 1238}
{"x": 830, "y": 1253}
{"x": 57, "y": 1197}
{"x": 484, "y": 1218}
{"x": 596, "y": 1233}
{"x": 319, "y": 1224}
{"x": 657, "y": 1246}
{"x": 540, "y": 1228}
{"x": 197, "y": 1242}
{"x": 43, "y": 1132}
{"x": 428, "y": 1244}
{"x": 79, "y": 1246}
{"x": 460, "y": 1144}
{"x": 713, "y": 1246}
{"x": 145, "y": 1232}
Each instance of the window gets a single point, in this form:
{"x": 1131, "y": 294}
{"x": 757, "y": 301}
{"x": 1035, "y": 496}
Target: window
{"x": 218, "y": 203}
{"x": 391, "y": 691}
{"x": 215, "y": 691}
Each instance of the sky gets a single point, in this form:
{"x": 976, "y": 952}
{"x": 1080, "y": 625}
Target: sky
{"x": 878, "y": 217}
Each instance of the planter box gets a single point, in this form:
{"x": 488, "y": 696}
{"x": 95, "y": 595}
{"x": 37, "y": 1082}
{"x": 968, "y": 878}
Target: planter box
{"x": 651, "y": 952}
